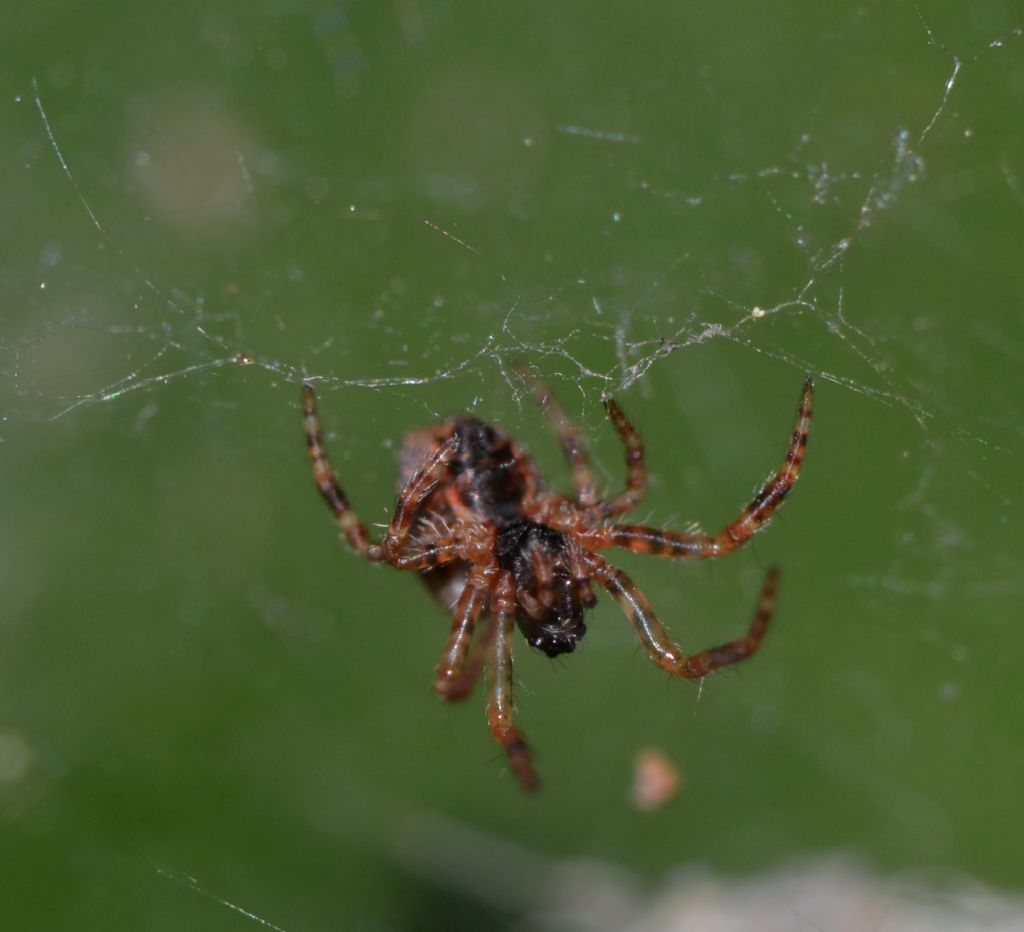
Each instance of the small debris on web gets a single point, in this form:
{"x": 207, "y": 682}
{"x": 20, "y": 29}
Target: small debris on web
{"x": 656, "y": 780}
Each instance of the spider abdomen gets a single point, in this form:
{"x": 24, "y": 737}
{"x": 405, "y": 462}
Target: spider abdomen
{"x": 488, "y": 471}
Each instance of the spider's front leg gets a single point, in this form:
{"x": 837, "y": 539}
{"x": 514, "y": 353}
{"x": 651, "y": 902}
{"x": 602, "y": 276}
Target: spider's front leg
{"x": 574, "y": 447}
{"x": 410, "y": 499}
{"x": 327, "y": 482}
{"x": 500, "y": 700}
{"x": 636, "y": 467}
{"x": 658, "y": 642}
{"x": 417, "y": 489}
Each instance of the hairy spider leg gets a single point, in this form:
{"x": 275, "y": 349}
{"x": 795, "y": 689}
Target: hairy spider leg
{"x": 658, "y": 642}
{"x": 500, "y": 700}
{"x": 581, "y": 577}
{"x": 456, "y": 673}
{"x": 442, "y": 550}
{"x": 479, "y": 657}
{"x": 636, "y": 467}
{"x": 412, "y": 496}
{"x": 326, "y": 480}
{"x": 664, "y": 543}
{"x": 574, "y": 447}
{"x": 427, "y": 556}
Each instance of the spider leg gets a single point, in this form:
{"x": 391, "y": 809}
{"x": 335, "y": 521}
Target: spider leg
{"x": 544, "y": 578}
{"x": 500, "y": 700}
{"x": 573, "y": 446}
{"x": 426, "y": 556}
{"x": 456, "y": 673}
{"x": 636, "y": 467}
{"x": 702, "y": 546}
{"x": 658, "y": 642}
{"x": 586, "y": 593}
{"x": 581, "y": 578}
{"x": 327, "y": 482}
{"x": 412, "y": 496}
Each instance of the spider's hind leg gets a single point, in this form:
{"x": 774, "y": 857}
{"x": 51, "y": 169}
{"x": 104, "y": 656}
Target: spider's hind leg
{"x": 658, "y": 642}
{"x": 664, "y": 543}
{"x": 734, "y": 651}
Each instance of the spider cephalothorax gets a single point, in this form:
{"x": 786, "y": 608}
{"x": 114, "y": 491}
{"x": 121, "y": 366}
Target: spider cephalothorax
{"x": 474, "y": 517}
{"x": 550, "y": 602}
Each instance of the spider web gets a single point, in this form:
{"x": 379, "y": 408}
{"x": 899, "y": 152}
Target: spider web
{"x": 168, "y": 333}
{"x": 692, "y": 238}
{"x": 189, "y": 340}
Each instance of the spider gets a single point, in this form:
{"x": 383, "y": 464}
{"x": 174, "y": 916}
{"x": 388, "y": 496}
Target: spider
{"x": 491, "y": 541}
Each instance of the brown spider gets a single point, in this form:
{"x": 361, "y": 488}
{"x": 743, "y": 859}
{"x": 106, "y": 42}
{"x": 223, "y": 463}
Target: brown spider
{"x": 475, "y": 518}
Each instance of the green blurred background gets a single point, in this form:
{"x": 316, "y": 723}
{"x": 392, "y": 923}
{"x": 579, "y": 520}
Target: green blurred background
{"x": 206, "y": 700}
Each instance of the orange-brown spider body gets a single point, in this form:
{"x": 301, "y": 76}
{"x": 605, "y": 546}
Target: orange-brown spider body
{"x": 491, "y": 482}
{"x": 474, "y": 517}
